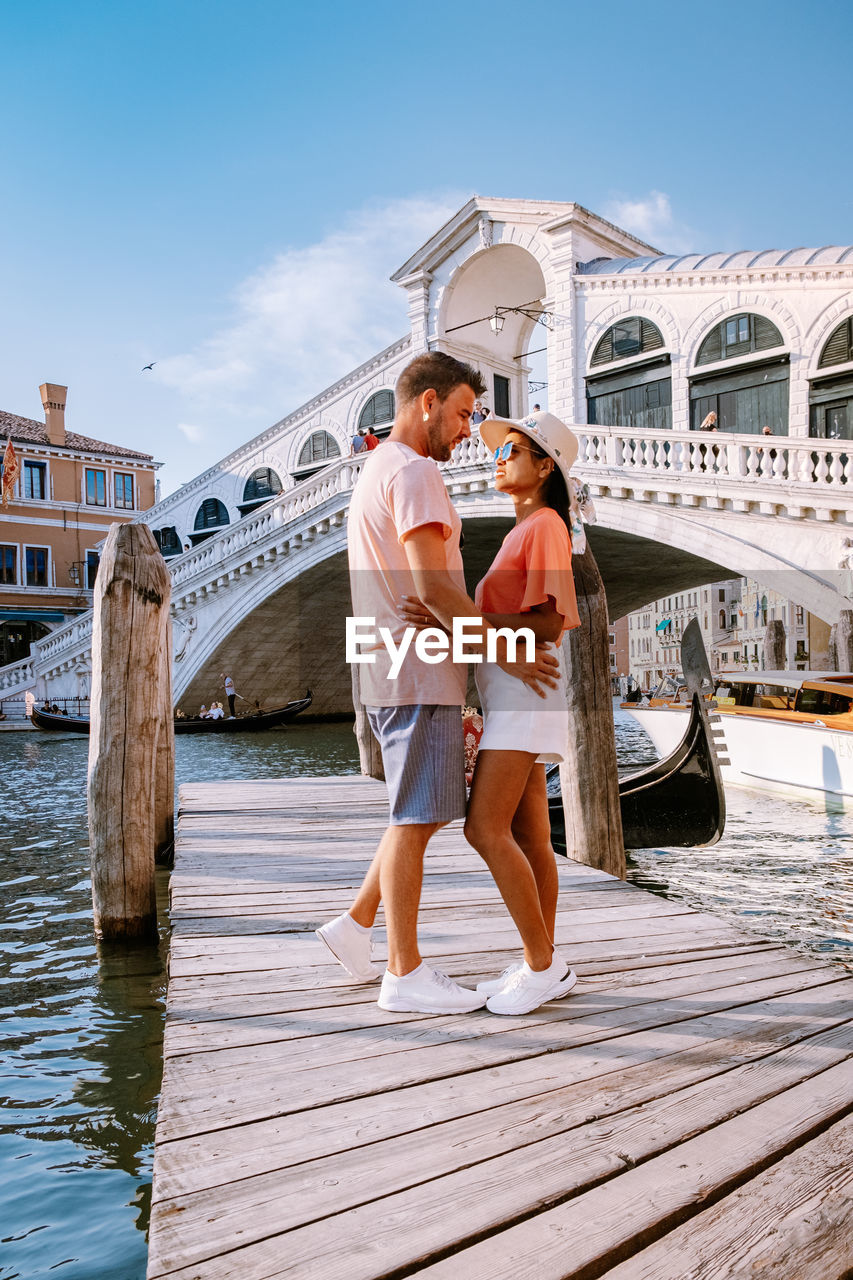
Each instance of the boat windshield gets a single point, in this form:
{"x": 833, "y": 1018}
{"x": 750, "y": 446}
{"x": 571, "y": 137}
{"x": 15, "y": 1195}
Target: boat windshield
{"x": 771, "y": 697}
{"x": 820, "y": 702}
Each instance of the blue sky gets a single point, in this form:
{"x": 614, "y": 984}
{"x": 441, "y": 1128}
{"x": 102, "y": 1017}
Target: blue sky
{"x": 225, "y": 188}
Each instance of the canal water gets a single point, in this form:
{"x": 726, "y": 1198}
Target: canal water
{"x": 81, "y": 1033}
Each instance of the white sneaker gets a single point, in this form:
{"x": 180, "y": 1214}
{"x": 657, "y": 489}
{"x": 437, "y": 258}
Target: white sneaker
{"x": 427, "y": 990}
{"x": 526, "y": 990}
{"x": 493, "y": 985}
{"x": 350, "y": 946}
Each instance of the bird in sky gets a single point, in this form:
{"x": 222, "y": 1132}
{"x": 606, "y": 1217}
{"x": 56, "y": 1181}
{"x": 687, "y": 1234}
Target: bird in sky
{"x": 149, "y": 366}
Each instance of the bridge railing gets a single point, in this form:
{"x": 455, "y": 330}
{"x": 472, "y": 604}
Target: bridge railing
{"x": 805, "y": 467}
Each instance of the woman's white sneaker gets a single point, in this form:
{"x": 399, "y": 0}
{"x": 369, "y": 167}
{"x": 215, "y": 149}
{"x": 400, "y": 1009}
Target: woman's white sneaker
{"x": 350, "y": 945}
{"x": 527, "y": 989}
{"x": 493, "y": 985}
{"x": 427, "y": 990}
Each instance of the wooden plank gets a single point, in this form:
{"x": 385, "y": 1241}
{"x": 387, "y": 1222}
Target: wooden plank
{"x": 304, "y": 1131}
{"x": 367, "y": 1241}
{"x": 603, "y": 1081}
{"x": 796, "y": 1216}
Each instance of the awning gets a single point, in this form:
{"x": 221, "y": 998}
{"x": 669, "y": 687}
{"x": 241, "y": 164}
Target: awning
{"x": 667, "y": 622}
{"x": 34, "y": 615}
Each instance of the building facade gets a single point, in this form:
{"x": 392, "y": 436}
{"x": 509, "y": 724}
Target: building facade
{"x": 733, "y": 618}
{"x": 69, "y": 490}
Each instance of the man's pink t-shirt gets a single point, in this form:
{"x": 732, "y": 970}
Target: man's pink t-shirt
{"x": 397, "y": 492}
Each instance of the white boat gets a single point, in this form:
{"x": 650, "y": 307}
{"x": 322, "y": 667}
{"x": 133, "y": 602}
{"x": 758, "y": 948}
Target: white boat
{"x": 785, "y": 731}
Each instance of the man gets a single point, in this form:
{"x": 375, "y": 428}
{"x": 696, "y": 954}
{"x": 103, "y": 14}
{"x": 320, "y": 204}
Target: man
{"x": 357, "y": 443}
{"x": 230, "y": 693}
{"x": 371, "y": 439}
{"x": 403, "y": 539}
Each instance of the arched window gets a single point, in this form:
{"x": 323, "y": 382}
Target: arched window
{"x": 211, "y": 515}
{"x": 262, "y": 485}
{"x": 744, "y": 398}
{"x": 378, "y": 413}
{"x": 318, "y": 449}
{"x": 738, "y": 336}
{"x": 168, "y": 541}
{"x": 639, "y": 395}
{"x": 838, "y": 348}
{"x": 626, "y": 338}
{"x": 831, "y": 397}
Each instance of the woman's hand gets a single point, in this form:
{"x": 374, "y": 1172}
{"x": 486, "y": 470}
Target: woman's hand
{"x": 415, "y": 613}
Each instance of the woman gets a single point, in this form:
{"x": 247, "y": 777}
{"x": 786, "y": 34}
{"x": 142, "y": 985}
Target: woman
{"x": 529, "y": 584}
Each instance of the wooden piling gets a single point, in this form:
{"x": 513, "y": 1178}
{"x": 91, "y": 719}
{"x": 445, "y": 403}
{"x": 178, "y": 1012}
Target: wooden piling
{"x": 369, "y": 754}
{"x": 774, "y": 646}
{"x": 589, "y": 776}
{"x": 129, "y": 732}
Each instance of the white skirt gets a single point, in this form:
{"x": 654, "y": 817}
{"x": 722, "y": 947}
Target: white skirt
{"x": 517, "y": 719}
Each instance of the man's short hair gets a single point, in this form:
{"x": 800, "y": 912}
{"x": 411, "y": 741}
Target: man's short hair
{"x": 438, "y": 372}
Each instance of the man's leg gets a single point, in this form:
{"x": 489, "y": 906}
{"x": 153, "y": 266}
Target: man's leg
{"x": 401, "y": 872}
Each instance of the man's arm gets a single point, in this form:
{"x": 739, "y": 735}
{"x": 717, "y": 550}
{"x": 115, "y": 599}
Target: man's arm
{"x": 425, "y": 552}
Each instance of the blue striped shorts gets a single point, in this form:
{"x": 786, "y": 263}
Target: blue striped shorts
{"x": 423, "y": 753}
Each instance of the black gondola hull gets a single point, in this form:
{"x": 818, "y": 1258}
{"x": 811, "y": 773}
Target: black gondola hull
{"x": 676, "y": 802}
{"x": 240, "y": 724}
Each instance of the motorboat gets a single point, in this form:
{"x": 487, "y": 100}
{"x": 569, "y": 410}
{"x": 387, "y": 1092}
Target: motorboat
{"x": 789, "y": 732}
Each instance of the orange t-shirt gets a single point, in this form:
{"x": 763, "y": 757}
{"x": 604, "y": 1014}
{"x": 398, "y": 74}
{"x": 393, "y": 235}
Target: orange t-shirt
{"x": 534, "y": 562}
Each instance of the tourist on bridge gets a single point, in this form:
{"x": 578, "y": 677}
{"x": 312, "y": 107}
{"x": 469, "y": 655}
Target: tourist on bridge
{"x": 403, "y": 538}
{"x": 371, "y": 439}
{"x": 357, "y": 444}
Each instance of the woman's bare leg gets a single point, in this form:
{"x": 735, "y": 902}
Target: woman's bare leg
{"x": 500, "y": 780}
{"x": 531, "y": 827}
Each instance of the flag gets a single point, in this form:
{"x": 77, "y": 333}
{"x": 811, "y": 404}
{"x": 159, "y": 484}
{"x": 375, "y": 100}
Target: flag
{"x": 11, "y": 467}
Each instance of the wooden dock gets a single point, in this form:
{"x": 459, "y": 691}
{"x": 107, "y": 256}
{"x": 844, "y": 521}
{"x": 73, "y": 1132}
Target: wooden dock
{"x": 686, "y": 1112}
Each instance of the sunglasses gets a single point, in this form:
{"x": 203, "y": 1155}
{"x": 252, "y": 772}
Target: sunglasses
{"x": 504, "y": 453}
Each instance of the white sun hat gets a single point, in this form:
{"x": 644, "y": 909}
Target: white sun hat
{"x": 548, "y": 432}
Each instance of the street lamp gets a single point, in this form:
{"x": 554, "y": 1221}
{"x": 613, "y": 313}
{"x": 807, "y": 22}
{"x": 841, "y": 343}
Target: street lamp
{"x": 496, "y": 322}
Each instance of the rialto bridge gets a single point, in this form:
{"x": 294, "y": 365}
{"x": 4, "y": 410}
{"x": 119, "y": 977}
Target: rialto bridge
{"x": 643, "y": 353}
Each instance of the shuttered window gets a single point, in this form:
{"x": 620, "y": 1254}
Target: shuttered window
{"x": 318, "y": 448}
{"x": 212, "y": 514}
{"x": 168, "y": 541}
{"x": 261, "y": 485}
{"x": 738, "y": 336}
{"x": 629, "y": 337}
{"x": 378, "y": 410}
{"x": 839, "y": 347}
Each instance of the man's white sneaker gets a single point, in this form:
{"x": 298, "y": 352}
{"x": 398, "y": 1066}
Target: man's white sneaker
{"x": 493, "y": 985}
{"x": 350, "y": 945}
{"x": 427, "y": 990}
{"x": 526, "y": 990}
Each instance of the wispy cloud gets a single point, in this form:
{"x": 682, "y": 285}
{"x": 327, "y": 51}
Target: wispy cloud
{"x": 307, "y": 317}
{"x": 193, "y": 434}
{"x": 651, "y": 218}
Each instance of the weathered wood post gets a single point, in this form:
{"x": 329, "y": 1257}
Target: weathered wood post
{"x": 774, "y": 646}
{"x": 369, "y": 755}
{"x": 844, "y": 641}
{"x": 589, "y": 776}
{"x": 128, "y": 733}
{"x": 164, "y": 787}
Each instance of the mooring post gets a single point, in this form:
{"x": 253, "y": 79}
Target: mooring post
{"x": 164, "y": 787}
{"x": 129, "y": 638}
{"x": 844, "y": 641}
{"x": 774, "y": 646}
{"x": 589, "y": 776}
{"x": 369, "y": 754}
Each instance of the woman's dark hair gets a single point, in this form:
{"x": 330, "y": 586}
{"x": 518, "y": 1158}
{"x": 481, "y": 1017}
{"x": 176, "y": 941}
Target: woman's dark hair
{"x": 555, "y": 493}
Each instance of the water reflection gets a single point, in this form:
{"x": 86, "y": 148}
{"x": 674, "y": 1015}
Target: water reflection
{"x": 81, "y": 1053}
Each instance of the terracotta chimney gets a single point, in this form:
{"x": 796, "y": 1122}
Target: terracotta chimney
{"x": 53, "y": 398}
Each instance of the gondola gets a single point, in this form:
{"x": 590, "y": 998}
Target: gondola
{"x": 240, "y": 724}
{"x": 678, "y": 801}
